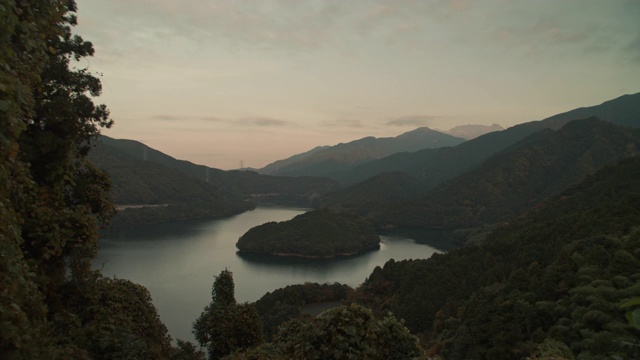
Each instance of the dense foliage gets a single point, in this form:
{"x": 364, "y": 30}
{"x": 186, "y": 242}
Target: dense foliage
{"x": 226, "y": 326}
{"x": 52, "y": 201}
{"x": 560, "y": 272}
{"x": 320, "y": 234}
{"x": 298, "y": 301}
{"x": 388, "y": 187}
{"x": 161, "y": 194}
{"x": 345, "y": 332}
{"x": 118, "y": 321}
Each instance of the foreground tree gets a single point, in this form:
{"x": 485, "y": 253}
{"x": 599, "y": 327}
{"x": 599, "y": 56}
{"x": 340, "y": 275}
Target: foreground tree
{"x": 226, "y": 326}
{"x": 68, "y": 199}
{"x": 23, "y": 55}
{"x": 345, "y": 332}
{"x": 52, "y": 201}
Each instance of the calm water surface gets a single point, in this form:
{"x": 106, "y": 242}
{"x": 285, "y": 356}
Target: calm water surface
{"x": 177, "y": 262}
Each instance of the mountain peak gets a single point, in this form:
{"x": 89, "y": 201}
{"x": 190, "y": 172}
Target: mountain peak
{"x": 422, "y": 129}
{"x": 344, "y": 156}
{"x": 472, "y": 131}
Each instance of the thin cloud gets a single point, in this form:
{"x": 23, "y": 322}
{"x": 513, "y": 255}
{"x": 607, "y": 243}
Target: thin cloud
{"x": 167, "y": 117}
{"x": 263, "y": 121}
{"x": 294, "y": 26}
{"x": 536, "y": 37}
{"x": 310, "y": 26}
{"x": 251, "y": 121}
{"x": 634, "y": 49}
{"x": 580, "y": 29}
{"x": 415, "y": 120}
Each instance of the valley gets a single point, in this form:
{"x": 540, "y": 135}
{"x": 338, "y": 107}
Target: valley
{"x": 199, "y": 248}
{"x": 358, "y": 229}
{"x": 510, "y": 195}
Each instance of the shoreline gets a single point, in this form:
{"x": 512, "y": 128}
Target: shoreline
{"x": 311, "y": 257}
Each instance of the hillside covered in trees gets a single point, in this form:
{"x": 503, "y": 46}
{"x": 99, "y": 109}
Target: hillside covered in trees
{"x": 150, "y": 187}
{"x": 315, "y": 234}
{"x": 560, "y": 282}
{"x": 328, "y": 160}
{"x": 148, "y": 192}
{"x": 560, "y": 272}
{"x": 434, "y": 166}
{"x": 558, "y": 278}
{"x": 507, "y": 184}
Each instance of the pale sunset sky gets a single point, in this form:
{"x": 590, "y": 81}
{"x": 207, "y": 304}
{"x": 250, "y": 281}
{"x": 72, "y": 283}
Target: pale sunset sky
{"x": 217, "y": 82}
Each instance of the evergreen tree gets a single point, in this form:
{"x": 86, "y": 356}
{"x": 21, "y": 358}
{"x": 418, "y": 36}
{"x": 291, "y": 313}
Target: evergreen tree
{"x": 67, "y": 200}
{"x": 344, "y": 332}
{"x": 24, "y": 52}
{"x": 52, "y": 201}
{"x": 226, "y": 326}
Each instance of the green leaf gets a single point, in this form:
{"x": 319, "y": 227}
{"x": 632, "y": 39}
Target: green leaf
{"x": 634, "y": 318}
{"x": 630, "y": 303}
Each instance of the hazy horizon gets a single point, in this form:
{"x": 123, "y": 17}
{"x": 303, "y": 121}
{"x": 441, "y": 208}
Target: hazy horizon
{"x": 220, "y": 82}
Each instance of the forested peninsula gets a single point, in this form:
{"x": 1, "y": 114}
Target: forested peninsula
{"x": 316, "y": 234}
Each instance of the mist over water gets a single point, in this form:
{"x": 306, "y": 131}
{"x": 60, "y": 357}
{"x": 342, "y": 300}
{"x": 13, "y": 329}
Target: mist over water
{"x": 177, "y": 262}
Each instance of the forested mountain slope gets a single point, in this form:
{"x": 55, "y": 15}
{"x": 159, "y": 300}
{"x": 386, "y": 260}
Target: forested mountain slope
{"x": 167, "y": 193}
{"x": 328, "y": 160}
{"x": 472, "y": 131}
{"x": 518, "y": 178}
{"x": 558, "y": 273}
{"x": 622, "y": 110}
{"x": 388, "y": 187}
{"x": 275, "y": 166}
{"x": 246, "y": 183}
{"x": 433, "y": 166}
{"x": 507, "y": 184}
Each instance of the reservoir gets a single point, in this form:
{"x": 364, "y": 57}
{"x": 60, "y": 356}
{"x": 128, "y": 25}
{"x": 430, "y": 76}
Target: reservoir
{"x": 177, "y": 261}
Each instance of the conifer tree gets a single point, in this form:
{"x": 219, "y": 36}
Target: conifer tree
{"x": 225, "y": 326}
{"x": 52, "y": 201}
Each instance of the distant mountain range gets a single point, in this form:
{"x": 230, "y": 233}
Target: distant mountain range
{"x": 164, "y": 188}
{"x": 488, "y": 179}
{"x": 326, "y": 160}
{"x": 518, "y": 179}
{"x": 397, "y": 190}
{"x": 472, "y": 131}
{"x": 148, "y": 192}
{"x": 549, "y": 208}
{"x": 432, "y": 166}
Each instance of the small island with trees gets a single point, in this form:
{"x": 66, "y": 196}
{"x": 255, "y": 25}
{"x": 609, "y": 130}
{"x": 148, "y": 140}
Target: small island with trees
{"x": 315, "y": 234}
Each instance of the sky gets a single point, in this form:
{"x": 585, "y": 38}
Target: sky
{"x": 229, "y": 82}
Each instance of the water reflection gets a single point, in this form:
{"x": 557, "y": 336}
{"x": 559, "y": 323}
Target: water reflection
{"x": 177, "y": 262}
{"x": 156, "y": 232}
{"x": 436, "y": 238}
